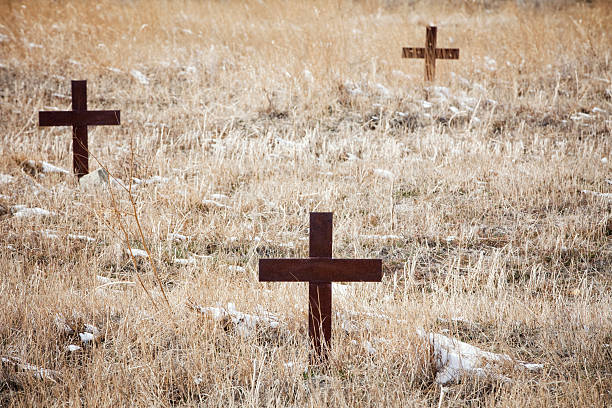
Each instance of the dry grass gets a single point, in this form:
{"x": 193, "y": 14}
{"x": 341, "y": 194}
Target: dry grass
{"x": 286, "y": 108}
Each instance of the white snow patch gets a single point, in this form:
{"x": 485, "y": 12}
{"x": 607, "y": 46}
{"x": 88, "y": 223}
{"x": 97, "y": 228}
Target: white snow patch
{"x": 235, "y": 268}
{"x": 383, "y": 90}
{"x": 151, "y": 180}
{"x": 24, "y": 212}
{"x": 308, "y": 76}
{"x": 368, "y": 347}
{"x": 455, "y": 359}
{"x": 215, "y": 203}
{"x": 219, "y": 197}
{"x": 173, "y": 236}
{"x": 598, "y": 110}
{"x": 137, "y": 252}
{"x": 72, "y": 348}
{"x": 49, "y": 234}
{"x": 38, "y": 372}
{"x": 245, "y": 324}
{"x": 426, "y": 105}
{"x": 597, "y": 193}
{"x": 490, "y": 63}
{"x": 184, "y": 261}
{"x": 381, "y": 237}
{"x": 384, "y": 174}
{"x": 139, "y": 76}
{"x": 48, "y": 167}
{"x": 6, "y": 178}
{"x": 81, "y": 237}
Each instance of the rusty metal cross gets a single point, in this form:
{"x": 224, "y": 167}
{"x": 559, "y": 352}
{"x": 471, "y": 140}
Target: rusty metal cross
{"x": 430, "y": 53}
{"x": 79, "y": 118}
{"x": 320, "y": 270}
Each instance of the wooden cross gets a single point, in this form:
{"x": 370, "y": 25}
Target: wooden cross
{"x": 319, "y": 270}
{"x": 79, "y": 118}
{"x": 430, "y": 53}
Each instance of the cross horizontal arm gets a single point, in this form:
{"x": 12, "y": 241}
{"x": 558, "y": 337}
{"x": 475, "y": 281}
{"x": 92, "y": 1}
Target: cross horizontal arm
{"x": 76, "y": 118}
{"x": 320, "y": 270}
{"x": 447, "y": 53}
{"x": 413, "y": 52}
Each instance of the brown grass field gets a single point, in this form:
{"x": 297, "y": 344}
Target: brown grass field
{"x": 487, "y": 195}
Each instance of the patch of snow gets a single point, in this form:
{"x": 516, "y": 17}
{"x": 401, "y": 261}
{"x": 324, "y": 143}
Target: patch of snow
{"x": 59, "y": 96}
{"x": 384, "y": 174}
{"x": 219, "y": 197}
{"x": 236, "y": 268}
{"x": 110, "y": 282}
{"x": 48, "y": 167}
{"x": 139, "y": 76}
{"x": 137, "y": 252}
{"x": 308, "y": 76}
{"x": 154, "y": 179}
{"x": 368, "y": 347}
{"x": 381, "y": 237}
{"x": 214, "y": 203}
{"x": 49, "y": 234}
{"x": 598, "y": 110}
{"x": 38, "y": 372}
{"x": 383, "y": 90}
{"x": 81, "y": 237}
{"x": 73, "y": 347}
{"x": 115, "y": 70}
{"x": 86, "y": 337}
{"x": 455, "y": 359}
{"x": 173, "y": 236}
{"x": 426, "y": 105}
{"x": 245, "y": 324}
{"x": 597, "y": 194}
{"x": 24, "y": 212}
{"x": 184, "y": 261}
{"x": 6, "y": 178}
{"x": 580, "y": 116}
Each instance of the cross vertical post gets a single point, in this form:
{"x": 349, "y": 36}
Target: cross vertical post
{"x": 79, "y": 118}
{"x": 80, "y": 153}
{"x": 430, "y": 53}
{"x": 320, "y": 293}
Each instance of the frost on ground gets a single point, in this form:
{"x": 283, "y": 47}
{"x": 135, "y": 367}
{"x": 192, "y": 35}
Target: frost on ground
{"x": 456, "y": 359}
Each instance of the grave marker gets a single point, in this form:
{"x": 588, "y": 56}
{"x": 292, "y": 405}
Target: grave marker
{"x": 79, "y": 118}
{"x": 430, "y": 53}
{"x": 320, "y": 270}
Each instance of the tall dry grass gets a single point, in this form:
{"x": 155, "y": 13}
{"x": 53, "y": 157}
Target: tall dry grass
{"x": 286, "y": 108}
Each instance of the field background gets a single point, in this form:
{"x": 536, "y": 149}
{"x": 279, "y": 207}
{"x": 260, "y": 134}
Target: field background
{"x": 471, "y": 193}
